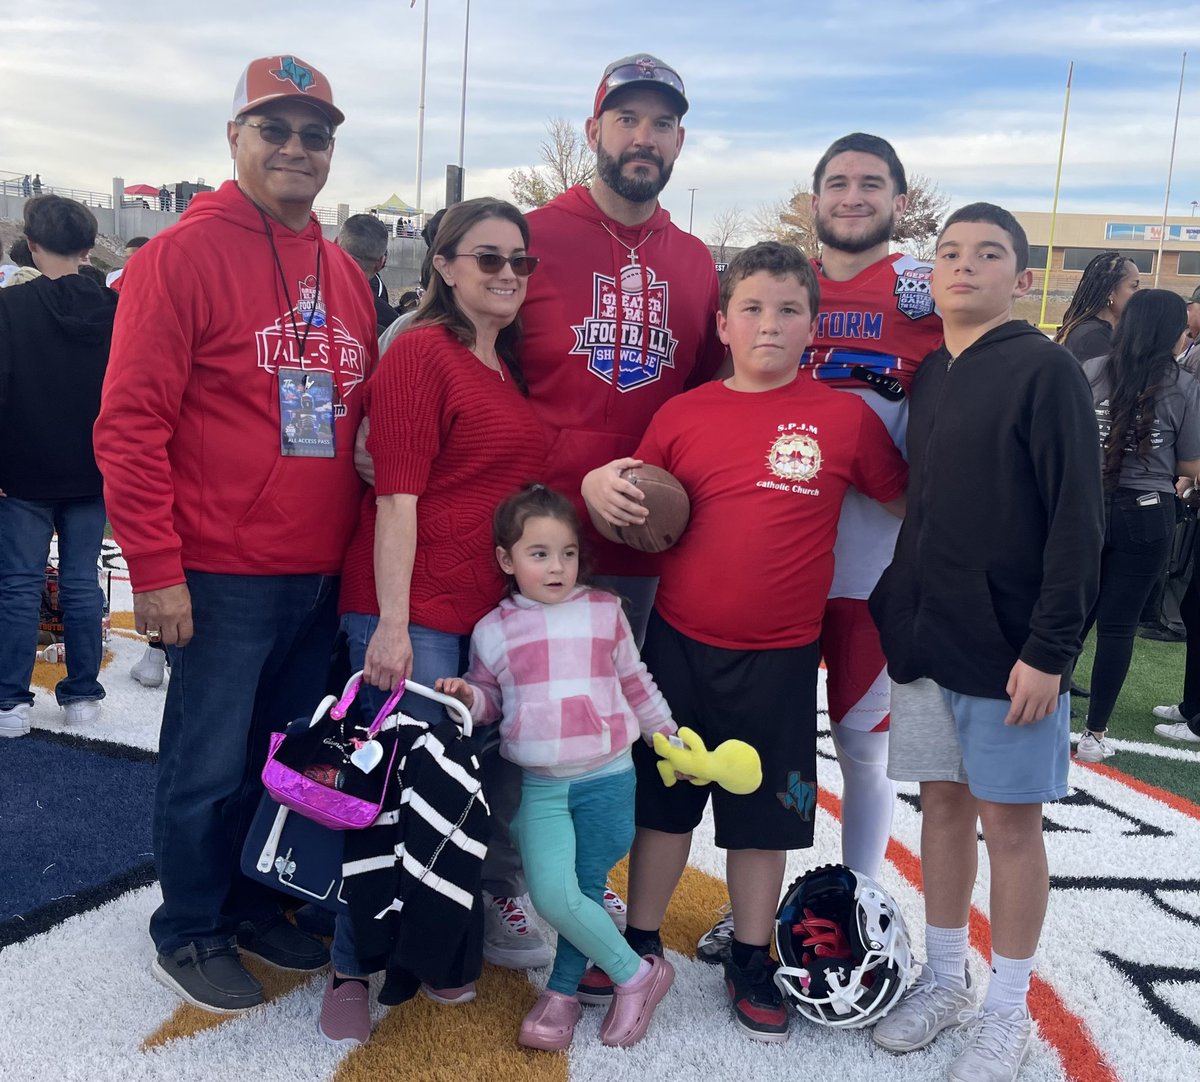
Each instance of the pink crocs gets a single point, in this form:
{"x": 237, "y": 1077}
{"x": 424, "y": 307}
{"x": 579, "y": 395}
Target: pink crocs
{"x": 551, "y": 1024}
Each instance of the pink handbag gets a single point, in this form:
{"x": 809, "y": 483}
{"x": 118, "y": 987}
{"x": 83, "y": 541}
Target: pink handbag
{"x": 333, "y": 771}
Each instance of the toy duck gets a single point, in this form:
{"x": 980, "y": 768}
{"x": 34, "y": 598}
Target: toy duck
{"x": 734, "y": 765}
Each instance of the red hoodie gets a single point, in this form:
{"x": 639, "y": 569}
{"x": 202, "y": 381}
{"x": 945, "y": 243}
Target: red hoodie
{"x": 188, "y": 437}
{"x": 571, "y": 319}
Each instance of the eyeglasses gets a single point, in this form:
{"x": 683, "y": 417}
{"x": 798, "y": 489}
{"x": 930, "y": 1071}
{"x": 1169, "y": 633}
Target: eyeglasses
{"x": 491, "y": 262}
{"x": 279, "y": 134}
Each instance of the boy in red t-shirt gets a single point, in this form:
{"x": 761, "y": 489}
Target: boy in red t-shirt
{"x": 766, "y": 459}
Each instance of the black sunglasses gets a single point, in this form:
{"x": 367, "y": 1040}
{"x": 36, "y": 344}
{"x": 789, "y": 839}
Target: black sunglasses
{"x": 491, "y": 262}
{"x": 278, "y": 134}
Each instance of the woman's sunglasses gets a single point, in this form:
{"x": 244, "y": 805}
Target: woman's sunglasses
{"x": 491, "y": 262}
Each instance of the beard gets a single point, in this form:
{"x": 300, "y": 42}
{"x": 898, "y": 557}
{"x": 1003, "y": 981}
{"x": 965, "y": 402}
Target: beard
{"x": 829, "y": 239}
{"x": 636, "y": 189}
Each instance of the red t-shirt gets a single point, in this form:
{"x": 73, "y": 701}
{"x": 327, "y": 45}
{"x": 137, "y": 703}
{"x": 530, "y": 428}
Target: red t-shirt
{"x": 765, "y": 473}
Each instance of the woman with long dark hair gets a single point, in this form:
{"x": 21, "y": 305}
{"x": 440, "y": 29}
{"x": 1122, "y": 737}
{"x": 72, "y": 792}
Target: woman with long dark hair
{"x": 1107, "y": 284}
{"x": 1148, "y": 411}
{"x": 451, "y": 435}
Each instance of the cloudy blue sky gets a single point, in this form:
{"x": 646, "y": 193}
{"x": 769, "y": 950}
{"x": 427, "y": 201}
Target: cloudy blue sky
{"x": 970, "y": 91}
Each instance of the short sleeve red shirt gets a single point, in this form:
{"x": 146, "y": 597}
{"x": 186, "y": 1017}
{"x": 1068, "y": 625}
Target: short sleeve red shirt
{"x": 765, "y": 473}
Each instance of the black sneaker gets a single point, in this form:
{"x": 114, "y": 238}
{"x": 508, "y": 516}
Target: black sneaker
{"x": 281, "y": 944}
{"x": 758, "y": 1007}
{"x": 211, "y": 978}
{"x": 596, "y": 986}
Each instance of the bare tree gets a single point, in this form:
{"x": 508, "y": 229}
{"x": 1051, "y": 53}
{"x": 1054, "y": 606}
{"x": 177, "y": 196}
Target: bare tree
{"x": 788, "y": 221}
{"x": 917, "y": 229}
{"x": 791, "y": 220}
{"x": 728, "y": 227}
{"x": 566, "y": 161}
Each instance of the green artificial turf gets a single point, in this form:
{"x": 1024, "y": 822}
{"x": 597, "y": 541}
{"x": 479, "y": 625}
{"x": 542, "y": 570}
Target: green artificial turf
{"x": 1155, "y": 678}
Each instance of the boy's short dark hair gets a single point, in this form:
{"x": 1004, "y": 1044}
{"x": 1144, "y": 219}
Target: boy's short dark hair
{"x": 862, "y": 143}
{"x": 778, "y": 260}
{"x": 137, "y": 242}
{"x": 59, "y": 225}
{"x": 997, "y": 216}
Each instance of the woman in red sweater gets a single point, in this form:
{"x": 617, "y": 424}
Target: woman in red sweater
{"x": 451, "y": 435}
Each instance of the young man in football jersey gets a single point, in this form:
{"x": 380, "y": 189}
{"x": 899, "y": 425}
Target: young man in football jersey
{"x": 877, "y": 322}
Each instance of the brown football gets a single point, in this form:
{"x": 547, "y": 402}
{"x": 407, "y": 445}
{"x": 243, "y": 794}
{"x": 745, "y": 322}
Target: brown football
{"x": 669, "y": 509}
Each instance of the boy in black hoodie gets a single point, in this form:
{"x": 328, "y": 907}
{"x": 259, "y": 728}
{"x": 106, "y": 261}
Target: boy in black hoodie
{"x": 54, "y": 339}
{"x": 980, "y": 615}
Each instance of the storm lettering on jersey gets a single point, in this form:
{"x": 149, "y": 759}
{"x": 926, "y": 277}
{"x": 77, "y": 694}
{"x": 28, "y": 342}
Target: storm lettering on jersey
{"x": 850, "y": 325}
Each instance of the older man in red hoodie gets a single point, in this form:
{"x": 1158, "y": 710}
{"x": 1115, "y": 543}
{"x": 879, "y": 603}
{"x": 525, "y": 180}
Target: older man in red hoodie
{"x": 225, "y": 438}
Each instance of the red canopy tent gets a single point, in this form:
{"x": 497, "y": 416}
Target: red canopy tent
{"x": 140, "y": 189}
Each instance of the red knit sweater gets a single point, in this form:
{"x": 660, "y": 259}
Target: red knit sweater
{"x": 449, "y": 430}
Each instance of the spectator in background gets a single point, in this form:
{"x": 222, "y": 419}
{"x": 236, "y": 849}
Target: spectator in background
{"x": 20, "y": 254}
{"x": 54, "y": 340}
{"x": 1190, "y": 357}
{"x": 26, "y": 187}
{"x": 37, "y": 184}
{"x": 429, "y": 235}
{"x": 114, "y": 277}
{"x": 366, "y": 239}
{"x": 1107, "y": 283}
{"x": 1148, "y": 411}
{"x": 164, "y": 198}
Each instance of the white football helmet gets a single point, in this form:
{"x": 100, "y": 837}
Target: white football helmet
{"x": 843, "y": 948}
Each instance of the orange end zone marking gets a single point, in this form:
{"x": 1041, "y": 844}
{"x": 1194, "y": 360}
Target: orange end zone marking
{"x": 1064, "y": 1031}
{"x": 1175, "y": 803}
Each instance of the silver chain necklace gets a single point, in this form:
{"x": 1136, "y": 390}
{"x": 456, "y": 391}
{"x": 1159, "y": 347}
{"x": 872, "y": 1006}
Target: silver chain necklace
{"x": 633, "y": 259}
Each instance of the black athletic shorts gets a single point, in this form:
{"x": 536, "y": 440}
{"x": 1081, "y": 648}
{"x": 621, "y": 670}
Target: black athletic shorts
{"x": 768, "y": 698}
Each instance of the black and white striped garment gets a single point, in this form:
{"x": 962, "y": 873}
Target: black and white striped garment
{"x": 412, "y": 879}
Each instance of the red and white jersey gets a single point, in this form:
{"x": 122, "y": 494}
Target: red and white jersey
{"x": 873, "y": 331}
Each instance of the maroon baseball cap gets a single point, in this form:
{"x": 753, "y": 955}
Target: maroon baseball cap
{"x": 278, "y": 78}
{"x": 641, "y": 69}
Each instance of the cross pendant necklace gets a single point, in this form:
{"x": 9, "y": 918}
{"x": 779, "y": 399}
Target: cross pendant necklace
{"x": 633, "y": 259}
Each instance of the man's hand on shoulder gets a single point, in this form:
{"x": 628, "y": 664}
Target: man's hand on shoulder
{"x": 1034, "y": 694}
{"x": 167, "y": 611}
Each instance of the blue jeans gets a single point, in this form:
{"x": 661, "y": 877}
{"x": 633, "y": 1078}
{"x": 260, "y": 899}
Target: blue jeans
{"x": 259, "y": 658}
{"x": 26, "y": 527}
{"x": 571, "y": 832}
{"x": 437, "y": 654}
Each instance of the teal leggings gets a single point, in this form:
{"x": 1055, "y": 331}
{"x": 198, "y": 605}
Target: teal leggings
{"x": 570, "y": 834}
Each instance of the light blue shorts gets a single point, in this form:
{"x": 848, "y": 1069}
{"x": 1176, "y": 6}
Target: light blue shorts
{"x": 940, "y": 735}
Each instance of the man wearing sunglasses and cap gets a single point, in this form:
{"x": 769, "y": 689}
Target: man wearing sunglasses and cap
{"x": 232, "y": 514}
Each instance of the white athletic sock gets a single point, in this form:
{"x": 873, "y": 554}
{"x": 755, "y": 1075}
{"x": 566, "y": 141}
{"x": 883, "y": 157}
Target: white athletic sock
{"x": 868, "y": 797}
{"x": 1009, "y": 985}
{"x": 947, "y": 952}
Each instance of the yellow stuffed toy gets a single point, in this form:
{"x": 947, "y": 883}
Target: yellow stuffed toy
{"x": 733, "y": 765}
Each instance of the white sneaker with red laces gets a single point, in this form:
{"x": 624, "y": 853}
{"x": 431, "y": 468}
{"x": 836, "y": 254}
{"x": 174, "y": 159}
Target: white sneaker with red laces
{"x": 614, "y": 906}
{"x": 509, "y": 939}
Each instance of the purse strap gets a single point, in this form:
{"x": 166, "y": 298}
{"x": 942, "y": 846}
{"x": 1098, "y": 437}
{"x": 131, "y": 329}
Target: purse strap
{"x": 343, "y": 704}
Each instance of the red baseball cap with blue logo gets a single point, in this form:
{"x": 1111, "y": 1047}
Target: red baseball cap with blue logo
{"x": 280, "y": 78}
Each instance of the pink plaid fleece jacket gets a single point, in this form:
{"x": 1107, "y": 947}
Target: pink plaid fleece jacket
{"x": 565, "y": 680}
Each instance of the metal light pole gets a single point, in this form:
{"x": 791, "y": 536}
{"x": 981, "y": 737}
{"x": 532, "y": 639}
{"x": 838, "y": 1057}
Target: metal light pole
{"x": 421, "y": 100}
{"x": 1195, "y": 204}
{"x": 692, "y": 209}
{"x": 462, "y": 114}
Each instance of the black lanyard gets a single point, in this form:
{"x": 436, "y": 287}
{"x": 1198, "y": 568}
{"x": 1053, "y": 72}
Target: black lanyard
{"x": 302, "y": 340}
